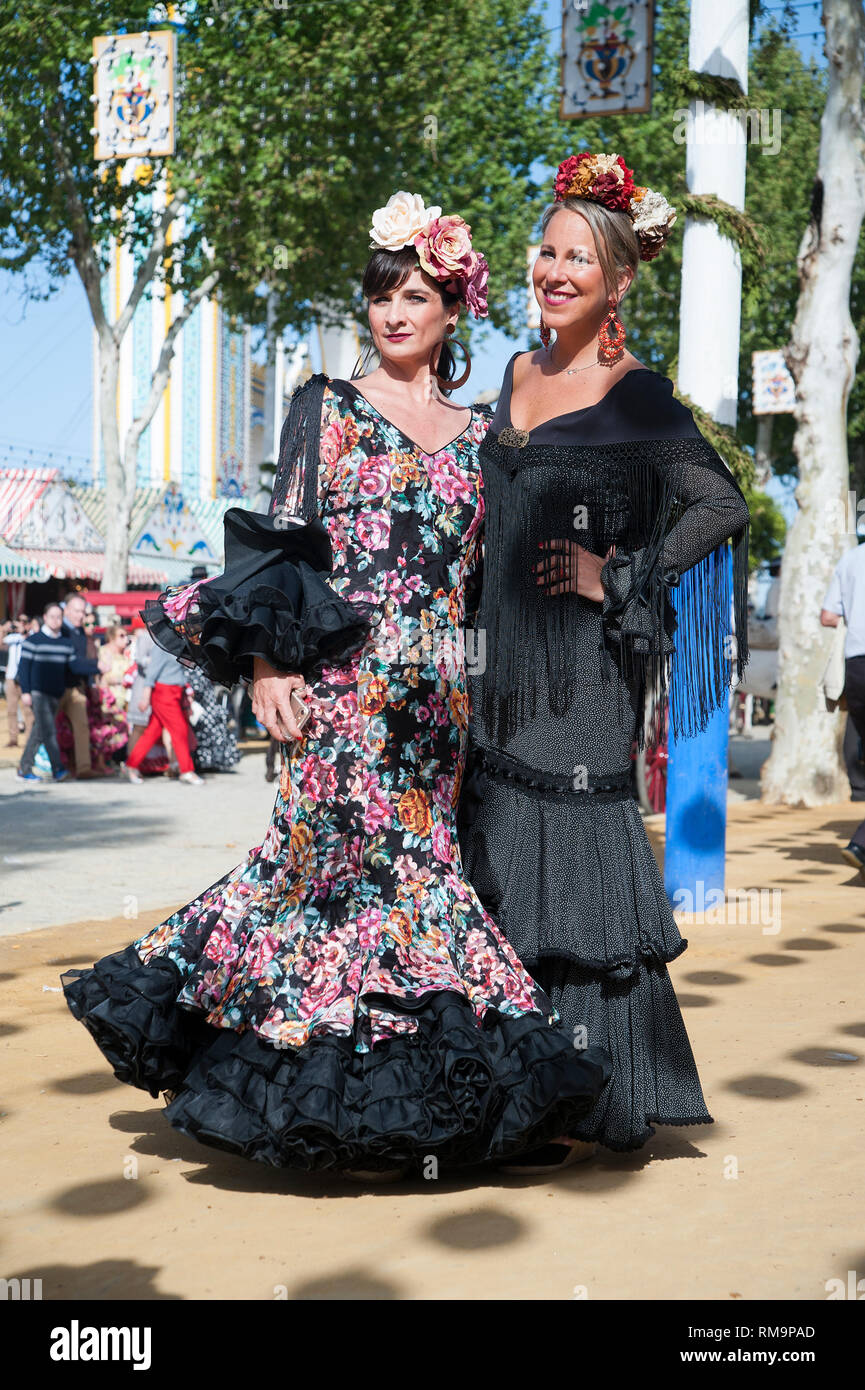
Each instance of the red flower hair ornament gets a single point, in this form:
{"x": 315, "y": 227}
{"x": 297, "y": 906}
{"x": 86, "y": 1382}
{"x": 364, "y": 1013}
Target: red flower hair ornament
{"x": 606, "y": 179}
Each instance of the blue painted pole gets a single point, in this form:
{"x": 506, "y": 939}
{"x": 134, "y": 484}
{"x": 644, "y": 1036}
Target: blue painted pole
{"x": 696, "y": 811}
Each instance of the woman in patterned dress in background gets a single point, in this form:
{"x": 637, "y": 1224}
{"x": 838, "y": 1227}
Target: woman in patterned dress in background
{"x": 108, "y": 698}
{"x": 107, "y": 701}
{"x": 216, "y": 747}
{"x": 340, "y": 1000}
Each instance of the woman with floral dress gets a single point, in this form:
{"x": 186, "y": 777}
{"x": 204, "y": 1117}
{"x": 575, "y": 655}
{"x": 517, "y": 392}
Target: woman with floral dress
{"x": 216, "y": 747}
{"x": 107, "y": 701}
{"x": 340, "y": 1000}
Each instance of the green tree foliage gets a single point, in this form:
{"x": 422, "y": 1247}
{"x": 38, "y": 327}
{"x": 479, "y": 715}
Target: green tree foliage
{"x": 295, "y": 121}
{"x": 340, "y": 105}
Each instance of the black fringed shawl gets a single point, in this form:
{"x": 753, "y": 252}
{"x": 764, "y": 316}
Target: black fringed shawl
{"x": 669, "y": 506}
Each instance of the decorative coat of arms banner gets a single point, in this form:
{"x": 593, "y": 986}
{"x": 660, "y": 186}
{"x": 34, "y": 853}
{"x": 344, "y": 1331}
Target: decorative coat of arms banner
{"x": 773, "y": 390}
{"x": 133, "y": 82}
{"x": 606, "y": 57}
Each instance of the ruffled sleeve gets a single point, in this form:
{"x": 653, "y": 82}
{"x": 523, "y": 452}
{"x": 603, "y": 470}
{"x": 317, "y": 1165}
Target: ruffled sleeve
{"x": 636, "y": 605}
{"x": 272, "y": 599}
{"x": 711, "y": 510}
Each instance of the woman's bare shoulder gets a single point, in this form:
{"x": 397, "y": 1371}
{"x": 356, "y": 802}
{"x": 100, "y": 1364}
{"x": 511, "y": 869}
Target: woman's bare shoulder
{"x": 527, "y": 362}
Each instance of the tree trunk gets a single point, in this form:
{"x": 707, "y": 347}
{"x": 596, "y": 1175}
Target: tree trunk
{"x": 763, "y": 451}
{"x": 805, "y": 766}
{"x": 117, "y": 507}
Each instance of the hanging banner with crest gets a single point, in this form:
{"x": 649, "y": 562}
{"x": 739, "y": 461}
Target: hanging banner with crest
{"x": 773, "y": 390}
{"x": 133, "y": 89}
{"x": 607, "y": 55}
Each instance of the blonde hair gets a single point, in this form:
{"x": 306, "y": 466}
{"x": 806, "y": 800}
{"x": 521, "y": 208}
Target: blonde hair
{"x": 615, "y": 239}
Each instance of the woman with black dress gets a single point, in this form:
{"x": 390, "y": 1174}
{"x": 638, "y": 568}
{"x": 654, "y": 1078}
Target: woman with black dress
{"x": 601, "y": 497}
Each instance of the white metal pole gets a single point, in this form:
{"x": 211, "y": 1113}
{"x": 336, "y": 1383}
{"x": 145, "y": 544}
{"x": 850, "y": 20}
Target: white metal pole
{"x": 696, "y": 807}
{"x": 711, "y": 266}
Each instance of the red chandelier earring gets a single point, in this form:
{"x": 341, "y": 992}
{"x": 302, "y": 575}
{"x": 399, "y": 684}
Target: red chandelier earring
{"x": 611, "y": 339}
{"x": 545, "y": 334}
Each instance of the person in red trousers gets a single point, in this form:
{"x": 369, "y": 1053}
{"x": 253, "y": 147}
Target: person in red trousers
{"x": 165, "y": 679}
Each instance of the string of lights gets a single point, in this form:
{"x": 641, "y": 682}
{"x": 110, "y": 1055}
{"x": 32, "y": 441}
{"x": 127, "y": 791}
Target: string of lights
{"x": 36, "y": 456}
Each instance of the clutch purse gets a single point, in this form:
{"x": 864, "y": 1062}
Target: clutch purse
{"x": 300, "y": 710}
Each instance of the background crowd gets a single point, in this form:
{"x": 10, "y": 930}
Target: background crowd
{"x": 90, "y": 702}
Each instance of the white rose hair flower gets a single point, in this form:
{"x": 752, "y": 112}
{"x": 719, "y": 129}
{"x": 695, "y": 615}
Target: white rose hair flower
{"x": 653, "y": 219}
{"x": 401, "y": 219}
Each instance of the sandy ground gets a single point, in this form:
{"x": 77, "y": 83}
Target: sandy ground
{"x": 103, "y": 1200}
{"x": 105, "y": 848}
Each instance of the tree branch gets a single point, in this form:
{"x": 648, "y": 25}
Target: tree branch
{"x": 84, "y": 254}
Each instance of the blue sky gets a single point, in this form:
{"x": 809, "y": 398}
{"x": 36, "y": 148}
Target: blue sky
{"x": 46, "y": 350}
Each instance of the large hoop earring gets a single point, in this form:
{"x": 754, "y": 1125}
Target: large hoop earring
{"x": 458, "y": 381}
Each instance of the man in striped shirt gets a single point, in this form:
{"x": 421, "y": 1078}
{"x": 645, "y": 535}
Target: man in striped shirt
{"x": 44, "y": 671}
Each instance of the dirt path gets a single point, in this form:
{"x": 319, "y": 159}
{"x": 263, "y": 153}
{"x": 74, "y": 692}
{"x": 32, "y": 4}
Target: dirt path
{"x": 104, "y": 1200}
{"x": 106, "y": 848}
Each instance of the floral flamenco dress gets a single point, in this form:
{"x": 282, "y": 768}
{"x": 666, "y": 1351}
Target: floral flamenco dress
{"x": 340, "y": 998}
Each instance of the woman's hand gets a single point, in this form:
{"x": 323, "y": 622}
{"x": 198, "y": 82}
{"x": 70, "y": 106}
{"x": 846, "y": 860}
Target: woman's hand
{"x": 144, "y": 703}
{"x": 568, "y": 568}
{"x": 270, "y": 693}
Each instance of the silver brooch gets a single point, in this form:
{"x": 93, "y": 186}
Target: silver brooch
{"x": 514, "y": 439}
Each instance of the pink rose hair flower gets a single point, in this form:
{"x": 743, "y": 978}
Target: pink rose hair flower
{"x": 476, "y": 289}
{"x": 445, "y": 252}
{"x": 444, "y": 248}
